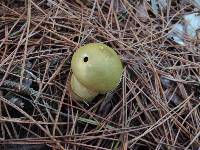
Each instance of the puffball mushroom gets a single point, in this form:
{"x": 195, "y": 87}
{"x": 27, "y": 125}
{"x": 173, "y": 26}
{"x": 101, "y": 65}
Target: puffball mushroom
{"x": 97, "y": 69}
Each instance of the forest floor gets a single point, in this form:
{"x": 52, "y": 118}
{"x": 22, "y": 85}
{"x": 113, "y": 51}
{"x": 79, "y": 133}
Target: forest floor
{"x": 156, "y": 105}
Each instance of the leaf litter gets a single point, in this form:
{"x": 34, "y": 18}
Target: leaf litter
{"x": 156, "y": 105}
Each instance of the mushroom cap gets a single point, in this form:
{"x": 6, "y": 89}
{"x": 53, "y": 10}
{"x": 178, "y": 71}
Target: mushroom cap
{"x": 97, "y": 67}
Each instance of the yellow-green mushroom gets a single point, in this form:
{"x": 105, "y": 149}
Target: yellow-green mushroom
{"x": 97, "y": 69}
